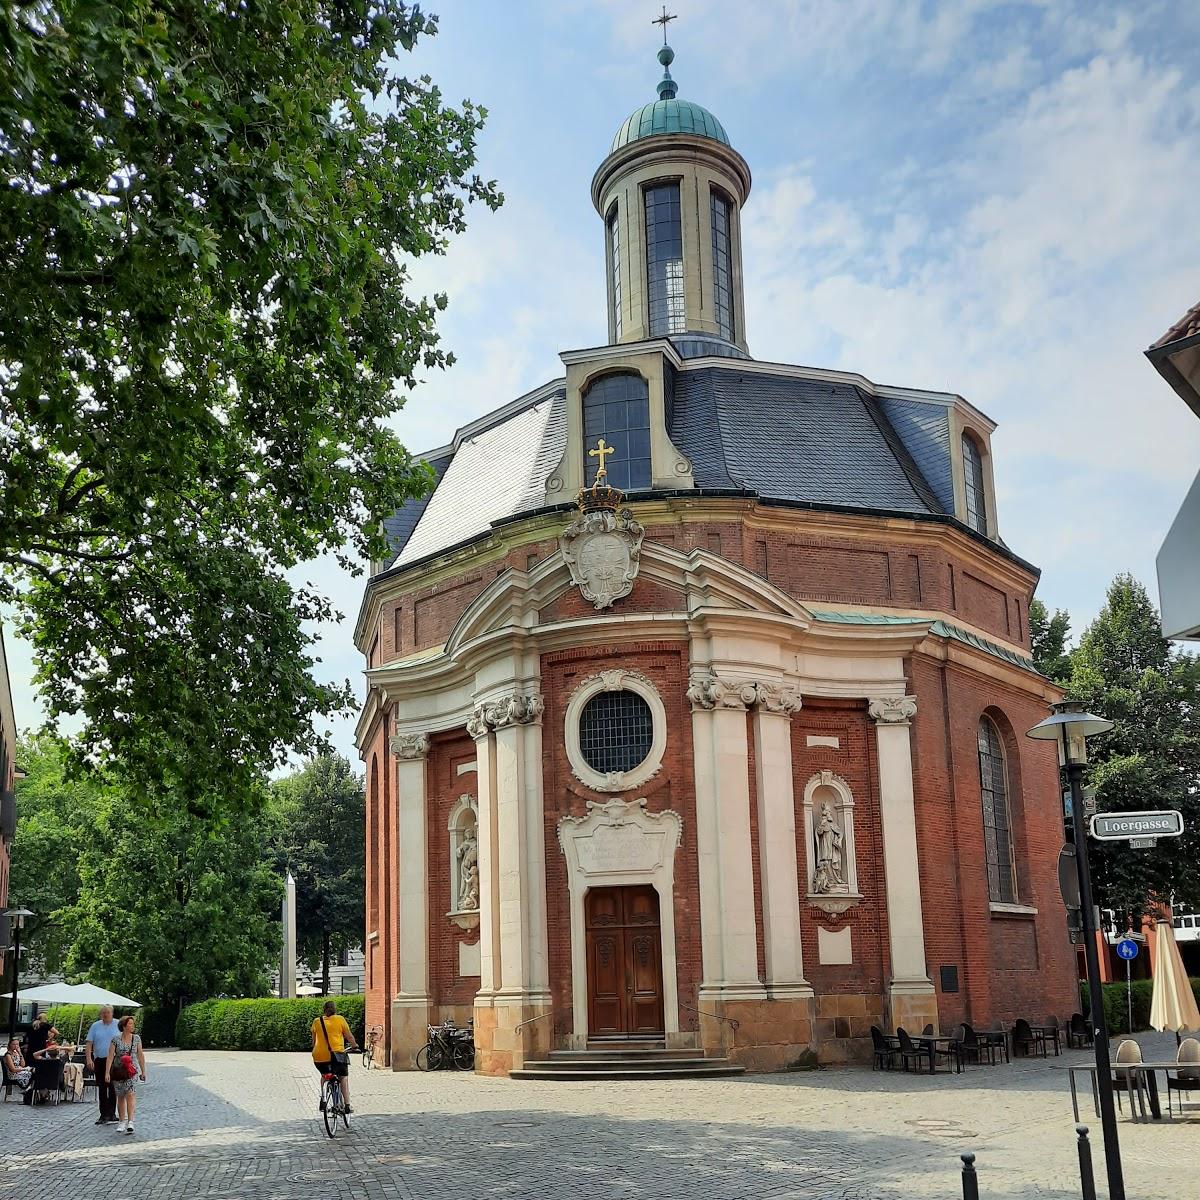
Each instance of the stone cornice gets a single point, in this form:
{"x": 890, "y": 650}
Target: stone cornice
{"x": 893, "y": 710}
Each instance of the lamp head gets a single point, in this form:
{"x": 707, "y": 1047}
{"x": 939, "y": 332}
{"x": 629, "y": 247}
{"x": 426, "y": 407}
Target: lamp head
{"x": 18, "y": 916}
{"x": 1070, "y": 725}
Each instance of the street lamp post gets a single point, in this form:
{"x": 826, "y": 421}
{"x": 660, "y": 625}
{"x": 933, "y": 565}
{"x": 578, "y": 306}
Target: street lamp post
{"x": 1070, "y": 727}
{"x": 17, "y": 917}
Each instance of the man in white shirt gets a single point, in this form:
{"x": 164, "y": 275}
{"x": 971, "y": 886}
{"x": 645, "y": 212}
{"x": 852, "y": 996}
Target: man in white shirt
{"x": 99, "y": 1038}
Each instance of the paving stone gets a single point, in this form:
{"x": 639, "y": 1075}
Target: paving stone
{"x": 226, "y": 1126}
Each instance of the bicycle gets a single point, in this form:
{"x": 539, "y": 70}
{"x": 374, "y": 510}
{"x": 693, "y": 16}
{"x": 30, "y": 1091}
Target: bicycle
{"x": 332, "y": 1104}
{"x": 374, "y": 1034}
{"x": 448, "y": 1047}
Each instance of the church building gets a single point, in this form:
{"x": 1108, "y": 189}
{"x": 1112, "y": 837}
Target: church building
{"x": 697, "y": 689}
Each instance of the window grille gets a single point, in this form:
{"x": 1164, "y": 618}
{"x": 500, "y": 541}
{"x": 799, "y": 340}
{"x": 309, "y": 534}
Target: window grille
{"x": 616, "y": 730}
{"x": 664, "y": 260}
{"x": 973, "y": 479}
{"x": 617, "y": 409}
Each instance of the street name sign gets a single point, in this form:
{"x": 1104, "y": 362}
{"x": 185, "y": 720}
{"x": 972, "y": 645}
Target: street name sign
{"x": 1117, "y": 826}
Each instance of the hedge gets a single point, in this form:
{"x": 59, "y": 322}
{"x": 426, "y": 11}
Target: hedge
{"x": 266, "y": 1024}
{"x": 156, "y": 1025}
{"x": 1116, "y": 1003}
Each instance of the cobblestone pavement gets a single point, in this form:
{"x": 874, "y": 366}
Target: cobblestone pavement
{"x": 214, "y": 1126}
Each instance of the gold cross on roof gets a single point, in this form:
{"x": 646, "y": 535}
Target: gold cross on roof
{"x": 601, "y": 451}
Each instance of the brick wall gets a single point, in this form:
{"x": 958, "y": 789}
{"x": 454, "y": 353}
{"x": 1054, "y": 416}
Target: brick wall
{"x": 666, "y": 665}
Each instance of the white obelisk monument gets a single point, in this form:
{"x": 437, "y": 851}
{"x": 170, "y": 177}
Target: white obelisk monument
{"x": 287, "y": 962}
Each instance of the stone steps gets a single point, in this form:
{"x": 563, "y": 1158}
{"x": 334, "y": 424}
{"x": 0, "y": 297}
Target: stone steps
{"x": 624, "y": 1062}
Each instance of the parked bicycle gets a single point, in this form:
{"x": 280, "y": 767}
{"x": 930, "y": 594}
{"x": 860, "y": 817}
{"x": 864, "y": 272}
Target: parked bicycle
{"x": 450, "y": 1048}
{"x": 332, "y": 1104}
{"x": 374, "y": 1033}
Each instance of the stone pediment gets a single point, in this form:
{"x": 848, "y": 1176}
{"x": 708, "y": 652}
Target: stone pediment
{"x": 701, "y": 579}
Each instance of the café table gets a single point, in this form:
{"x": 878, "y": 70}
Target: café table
{"x": 1145, "y": 1069}
{"x": 950, "y": 1045}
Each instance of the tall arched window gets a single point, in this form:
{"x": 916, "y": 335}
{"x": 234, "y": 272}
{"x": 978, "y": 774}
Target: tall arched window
{"x": 617, "y": 409}
{"x": 614, "y": 267}
{"x": 664, "y": 259}
{"x": 722, "y": 263}
{"x": 997, "y": 825}
{"x": 973, "y": 481}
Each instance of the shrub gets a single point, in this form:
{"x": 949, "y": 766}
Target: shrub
{"x": 265, "y": 1024}
{"x": 74, "y": 1020}
{"x": 1116, "y": 1003}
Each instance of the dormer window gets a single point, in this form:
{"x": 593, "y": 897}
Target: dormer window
{"x": 664, "y": 260}
{"x": 973, "y": 484}
{"x": 617, "y": 409}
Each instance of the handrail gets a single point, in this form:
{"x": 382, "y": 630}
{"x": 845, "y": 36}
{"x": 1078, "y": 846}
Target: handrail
{"x": 734, "y": 1025}
{"x": 532, "y": 1019}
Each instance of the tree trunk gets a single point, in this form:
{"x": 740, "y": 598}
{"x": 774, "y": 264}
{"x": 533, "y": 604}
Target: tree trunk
{"x": 325, "y": 965}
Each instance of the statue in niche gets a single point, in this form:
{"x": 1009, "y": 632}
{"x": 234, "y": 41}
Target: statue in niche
{"x": 468, "y": 871}
{"x": 829, "y": 838}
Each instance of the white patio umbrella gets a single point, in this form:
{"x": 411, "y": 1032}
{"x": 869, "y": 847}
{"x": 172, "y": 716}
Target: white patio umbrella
{"x": 76, "y": 993}
{"x": 1172, "y": 1004}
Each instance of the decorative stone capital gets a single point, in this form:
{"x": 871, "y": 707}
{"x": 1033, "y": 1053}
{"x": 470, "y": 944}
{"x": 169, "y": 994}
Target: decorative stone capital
{"x": 515, "y": 709}
{"x": 893, "y": 710}
{"x": 408, "y": 746}
{"x": 710, "y": 691}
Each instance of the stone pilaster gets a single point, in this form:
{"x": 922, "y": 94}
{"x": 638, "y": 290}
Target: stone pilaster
{"x": 513, "y": 983}
{"x": 912, "y": 1001}
{"x": 410, "y": 1005}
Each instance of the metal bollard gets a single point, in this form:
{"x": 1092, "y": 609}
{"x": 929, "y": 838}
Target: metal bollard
{"x": 970, "y": 1179}
{"x": 1086, "y": 1178}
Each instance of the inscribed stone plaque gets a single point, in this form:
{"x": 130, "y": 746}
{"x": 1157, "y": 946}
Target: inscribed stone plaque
{"x": 619, "y": 848}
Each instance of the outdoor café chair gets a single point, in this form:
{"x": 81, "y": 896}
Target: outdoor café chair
{"x": 971, "y": 1046}
{"x": 887, "y": 1049}
{"x": 911, "y": 1051}
{"x": 9, "y": 1082}
{"x": 1132, "y": 1081}
{"x": 1079, "y": 1032}
{"x": 46, "y": 1084}
{"x": 1025, "y": 1039}
{"x": 1187, "y": 1078}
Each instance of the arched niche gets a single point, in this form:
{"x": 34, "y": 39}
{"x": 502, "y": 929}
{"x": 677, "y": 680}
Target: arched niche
{"x": 832, "y": 865}
{"x": 462, "y": 829}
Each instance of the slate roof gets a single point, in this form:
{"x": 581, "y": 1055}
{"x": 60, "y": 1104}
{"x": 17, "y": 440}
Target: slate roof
{"x": 789, "y": 438}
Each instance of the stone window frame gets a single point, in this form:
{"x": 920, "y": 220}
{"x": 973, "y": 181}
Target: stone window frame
{"x": 832, "y": 902}
{"x": 612, "y": 231}
{"x": 614, "y": 681}
{"x": 1006, "y": 798}
{"x": 975, "y": 483}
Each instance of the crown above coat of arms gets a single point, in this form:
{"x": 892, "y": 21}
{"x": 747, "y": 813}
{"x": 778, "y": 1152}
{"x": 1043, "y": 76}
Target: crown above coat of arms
{"x": 602, "y": 545}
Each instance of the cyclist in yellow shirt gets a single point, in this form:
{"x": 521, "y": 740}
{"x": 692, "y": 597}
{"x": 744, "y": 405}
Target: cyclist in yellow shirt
{"x": 330, "y": 1038}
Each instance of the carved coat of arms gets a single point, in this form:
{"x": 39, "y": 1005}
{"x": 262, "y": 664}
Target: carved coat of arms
{"x": 602, "y": 549}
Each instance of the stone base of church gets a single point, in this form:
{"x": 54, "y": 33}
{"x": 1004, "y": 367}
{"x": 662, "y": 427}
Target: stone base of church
{"x": 771, "y": 1034}
{"x": 507, "y": 1034}
{"x": 410, "y": 1031}
{"x": 842, "y": 1033}
{"x": 912, "y": 1004}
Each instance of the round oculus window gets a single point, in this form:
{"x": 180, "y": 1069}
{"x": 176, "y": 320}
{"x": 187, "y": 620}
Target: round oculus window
{"x": 616, "y": 731}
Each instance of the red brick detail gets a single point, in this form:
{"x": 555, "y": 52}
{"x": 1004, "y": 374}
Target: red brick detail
{"x": 854, "y": 761}
{"x": 665, "y": 664}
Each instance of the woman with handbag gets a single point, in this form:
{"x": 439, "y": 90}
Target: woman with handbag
{"x": 330, "y": 1038}
{"x": 126, "y": 1064}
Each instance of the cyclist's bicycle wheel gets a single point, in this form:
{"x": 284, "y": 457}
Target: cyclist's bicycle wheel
{"x": 464, "y": 1056}
{"x": 430, "y": 1057}
{"x": 331, "y": 1095}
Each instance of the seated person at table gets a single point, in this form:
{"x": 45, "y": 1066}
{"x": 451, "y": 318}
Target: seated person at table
{"x": 19, "y": 1072}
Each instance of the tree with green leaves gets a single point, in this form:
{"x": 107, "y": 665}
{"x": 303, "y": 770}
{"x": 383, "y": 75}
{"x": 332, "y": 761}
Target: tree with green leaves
{"x": 1048, "y": 637}
{"x": 159, "y": 905}
{"x": 1125, "y": 670}
{"x": 318, "y": 821}
{"x": 53, "y": 817}
{"x": 206, "y": 322}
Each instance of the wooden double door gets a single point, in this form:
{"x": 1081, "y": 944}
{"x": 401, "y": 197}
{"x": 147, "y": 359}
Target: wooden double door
{"x": 624, "y": 962}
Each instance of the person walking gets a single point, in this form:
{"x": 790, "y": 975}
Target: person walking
{"x": 330, "y": 1037}
{"x": 126, "y": 1065}
{"x": 100, "y": 1037}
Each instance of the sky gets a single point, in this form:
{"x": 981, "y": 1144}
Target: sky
{"x": 994, "y": 199}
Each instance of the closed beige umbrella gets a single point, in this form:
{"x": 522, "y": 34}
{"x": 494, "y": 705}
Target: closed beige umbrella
{"x": 1173, "y": 1004}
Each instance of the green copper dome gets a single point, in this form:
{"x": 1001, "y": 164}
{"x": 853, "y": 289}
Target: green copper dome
{"x": 668, "y": 114}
